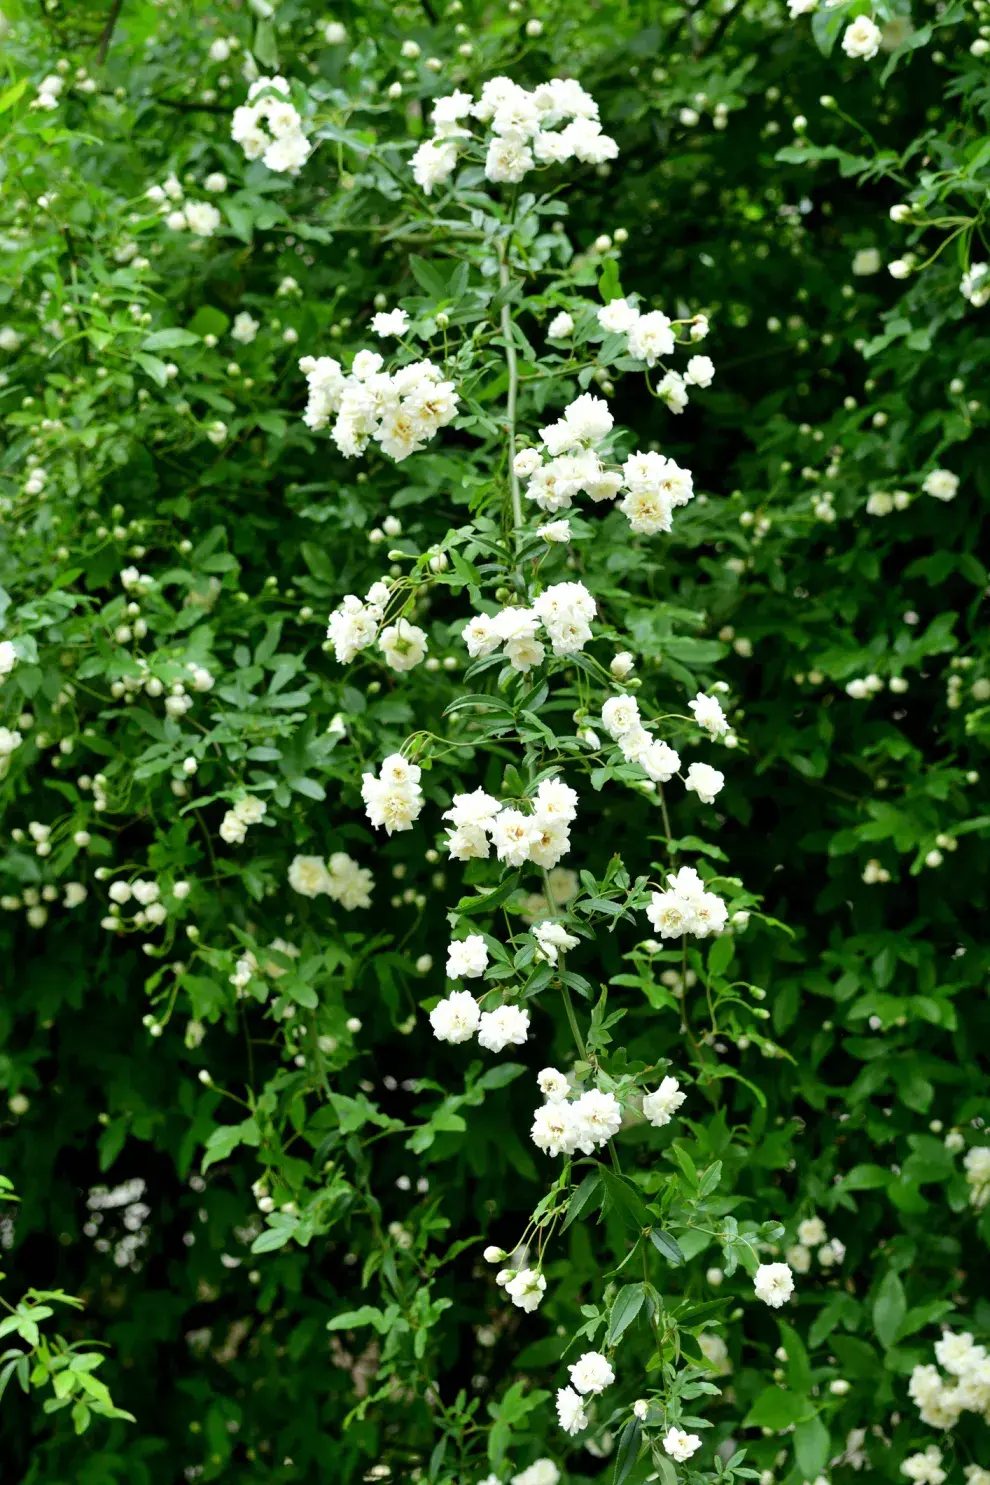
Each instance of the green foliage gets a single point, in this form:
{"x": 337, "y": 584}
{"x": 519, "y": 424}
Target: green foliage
{"x": 230, "y": 1128}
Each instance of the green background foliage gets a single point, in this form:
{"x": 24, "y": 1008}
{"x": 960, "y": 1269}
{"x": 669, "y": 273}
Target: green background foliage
{"x": 360, "y": 1326}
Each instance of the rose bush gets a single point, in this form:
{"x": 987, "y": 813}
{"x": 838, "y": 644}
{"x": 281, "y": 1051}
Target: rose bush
{"x": 494, "y": 696}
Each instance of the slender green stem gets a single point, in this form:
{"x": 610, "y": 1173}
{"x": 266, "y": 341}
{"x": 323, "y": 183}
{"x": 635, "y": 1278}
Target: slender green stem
{"x": 511, "y": 363}
{"x": 564, "y": 990}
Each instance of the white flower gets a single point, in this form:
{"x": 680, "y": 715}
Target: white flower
{"x": 352, "y": 628}
{"x": 403, "y": 645}
{"x": 704, "y": 781}
{"x": 527, "y": 1288}
{"x": 622, "y": 664}
{"x": 708, "y": 714}
{"x": 554, "y": 1130}
{"x": 457, "y": 1018}
{"x": 661, "y": 1106}
{"x": 215, "y": 183}
{"x": 570, "y": 1411}
{"x": 202, "y": 219}
{"x": 561, "y": 326}
{"x": 553, "y": 939}
{"x": 672, "y": 389}
{"x": 526, "y": 462}
{"x": 543, "y": 1472}
{"x": 394, "y": 799}
{"x": 831, "y": 1253}
{"x": 555, "y": 531}
{"x": 591, "y": 1373}
{"x": 799, "y": 1258}
{"x": 308, "y": 875}
{"x": 774, "y": 1284}
{"x": 553, "y": 1085}
{"x": 658, "y": 761}
{"x": 862, "y": 38}
{"x": 975, "y": 284}
{"x": 700, "y": 371}
{"x": 942, "y": 484}
{"x": 513, "y": 835}
{"x": 334, "y": 33}
{"x": 508, "y": 160}
{"x": 589, "y": 418}
{"x": 481, "y": 635}
{"x": 506, "y": 1027}
{"x": 866, "y": 262}
{"x": 555, "y": 800}
{"x": 467, "y": 958}
{"x": 811, "y": 1232}
{"x": 8, "y": 658}
{"x": 476, "y": 808}
{"x": 597, "y": 1117}
{"x": 680, "y": 1445}
{"x": 244, "y": 328}
{"x": 620, "y": 715}
{"x": 433, "y": 163}
{"x": 925, "y": 1469}
{"x": 348, "y": 883}
{"x": 396, "y": 322}
{"x": 651, "y": 337}
{"x": 618, "y": 316}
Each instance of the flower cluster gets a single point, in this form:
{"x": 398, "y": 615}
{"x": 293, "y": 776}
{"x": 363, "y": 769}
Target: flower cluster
{"x": 926, "y": 1468}
{"x": 685, "y": 907}
{"x": 977, "y": 1165}
{"x": 940, "y": 1402}
{"x": 659, "y": 761}
{"x": 479, "y": 821}
{"x": 246, "y": 811}
{"x": 565, "y": 611}
{"x": 394, "y": 799}
{"x": 354, "y": 625}
{"x": 400, "y": 410}
{"x": 812, "y": 1233}
{"x": 654, "y": 484}
{"x": 340, "y": 877}
{"x": 459, "y": 1017}
{"x": 523, "y": 133}
{"x": 269, "y": 128}
{"x": 587, "y": 1122}
{"x": 650, "y": 337}
{"x": 198, "y": 217}
{"x": 975, "y": 284}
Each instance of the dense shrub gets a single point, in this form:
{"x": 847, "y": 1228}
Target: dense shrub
{"x": 628, "y": 432}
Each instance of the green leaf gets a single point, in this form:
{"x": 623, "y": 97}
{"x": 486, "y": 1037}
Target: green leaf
{"x": 889, "y": 1309}
{"x": 811, "y": 1447}
{"x": 354, "y": 1319}
{"x": 13, "y": 94}
{"x": 667, "y": 1244}
{"x": 777, "y": 1409}
{"x": 628, "y": 1303}
{"x": 627, "y": 1453}
{"x": 720, "y": 955}
{"x": 590, "y": 1190}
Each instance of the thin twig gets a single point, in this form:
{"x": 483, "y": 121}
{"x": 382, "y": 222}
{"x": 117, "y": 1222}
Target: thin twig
{"x": 108, "y": 29}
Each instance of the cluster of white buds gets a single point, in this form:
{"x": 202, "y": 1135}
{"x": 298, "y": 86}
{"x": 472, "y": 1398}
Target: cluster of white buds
{"x": 269, "y": 127}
